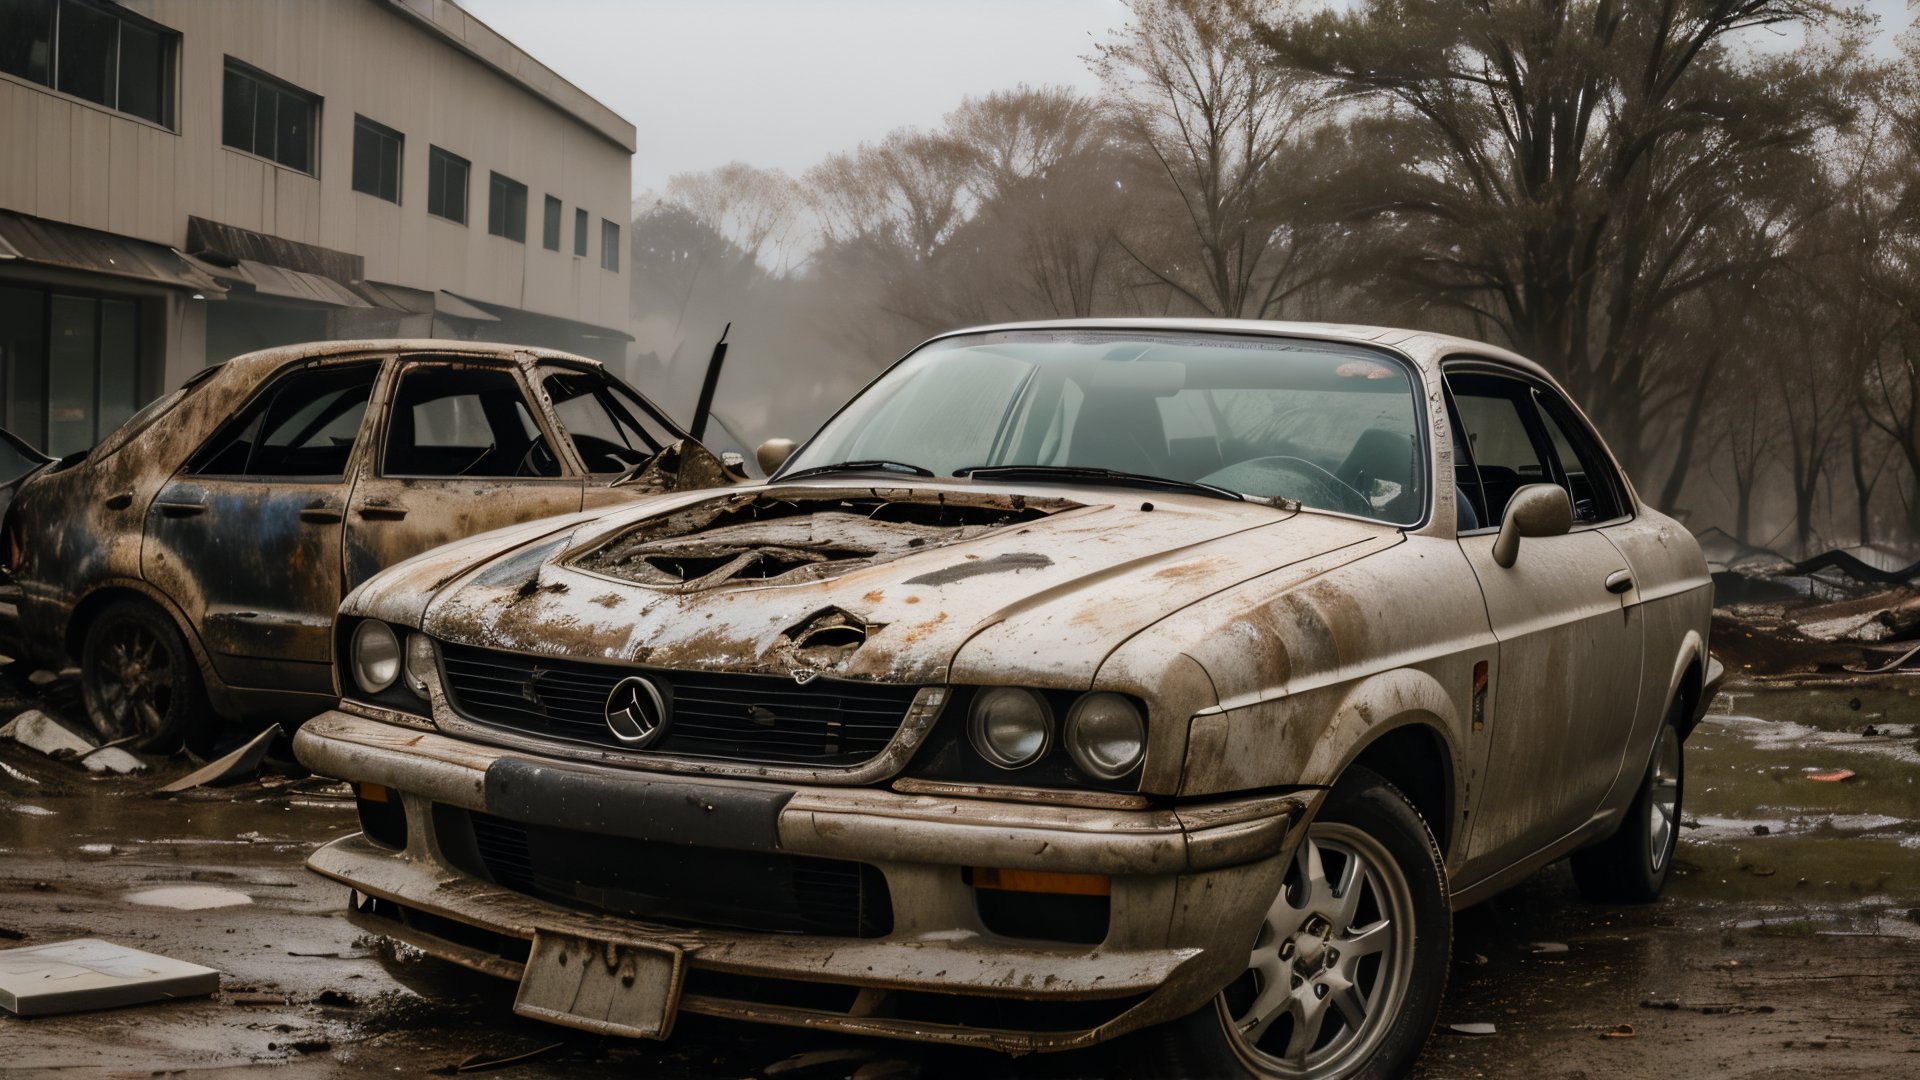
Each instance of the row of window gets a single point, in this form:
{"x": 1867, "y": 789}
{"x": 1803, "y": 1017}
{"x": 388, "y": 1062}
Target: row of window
{"x": 105, "y": 54}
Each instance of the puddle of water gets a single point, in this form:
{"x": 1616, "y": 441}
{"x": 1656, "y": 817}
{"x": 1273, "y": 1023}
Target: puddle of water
{"x": 189, "y": 897}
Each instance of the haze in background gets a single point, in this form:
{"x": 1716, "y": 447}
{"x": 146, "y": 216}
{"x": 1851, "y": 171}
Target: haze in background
{"x": 783, "y": 84}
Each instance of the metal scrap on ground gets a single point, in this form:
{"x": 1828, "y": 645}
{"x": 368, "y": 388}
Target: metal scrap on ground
{"x": 238, "y": 765}
{"x": 43, "y": 733}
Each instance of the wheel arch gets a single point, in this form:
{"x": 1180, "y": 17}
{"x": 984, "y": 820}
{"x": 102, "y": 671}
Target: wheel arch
{"x": 1687, "y": 681}
{"x": 107, "y": 593}
{"x": 1399, "y": 725}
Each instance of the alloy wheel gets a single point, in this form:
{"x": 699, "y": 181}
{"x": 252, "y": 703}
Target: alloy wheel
{"x": 135, "y": 680}
{"x": 1663, "y": 802}
{"x": 1332, "y": 961}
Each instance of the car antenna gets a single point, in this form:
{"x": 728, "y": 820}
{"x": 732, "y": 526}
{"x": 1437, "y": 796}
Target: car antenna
{"x": 712, "y": 381}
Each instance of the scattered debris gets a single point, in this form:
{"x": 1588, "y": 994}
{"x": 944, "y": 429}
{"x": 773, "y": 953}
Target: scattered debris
{"x": 258, "y": 997}
{"x": 338, "y": 999}
{"x": 481, "y": 1062}
{"x": 1832, "y": 776}
{"x": 87, "y": 973}
{"x": 236, "y": 766}
{"x": 1471, "y": 1029}
{"x": 1618, "y": 1031}
{"x": 36, "y": 729}
{"x": 189, "y": 897}
{"x": 1547, "y": 948}
{"x": 816, "y": 1058}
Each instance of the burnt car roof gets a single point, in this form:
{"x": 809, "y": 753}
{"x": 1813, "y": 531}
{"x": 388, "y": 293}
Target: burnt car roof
{"x": 266, "y": 360}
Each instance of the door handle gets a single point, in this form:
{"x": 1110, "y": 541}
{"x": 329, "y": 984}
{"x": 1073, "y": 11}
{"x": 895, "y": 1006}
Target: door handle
{"x": 382, "y": 510}
{"x": 1619, "y": 581}
{"x": 180, "y": 509}
{"x": 319, "y": 512}
{"x": 120, "y": 501}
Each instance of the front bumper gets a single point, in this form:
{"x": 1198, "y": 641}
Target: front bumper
{"x": 1189, "y": 886}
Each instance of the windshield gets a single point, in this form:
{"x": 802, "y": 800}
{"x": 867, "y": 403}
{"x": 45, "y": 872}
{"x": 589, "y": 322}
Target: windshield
{"x": 1330, "y": 426}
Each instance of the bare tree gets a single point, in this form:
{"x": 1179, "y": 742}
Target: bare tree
{"x": 1215, "y": 125}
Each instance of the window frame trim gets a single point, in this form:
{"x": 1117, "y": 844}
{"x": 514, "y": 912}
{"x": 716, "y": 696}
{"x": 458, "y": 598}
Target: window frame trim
{"x": 570, "y": 470}
{"x": 122, "y": 14}
{"x": 348, "y": 471}
{"x": 229, "y": 62}
{"x": 525, "y": 210}
{"x": 400, "y": 160}
{"x": 465, "y": 221}
{"x": 1478, "y": 365}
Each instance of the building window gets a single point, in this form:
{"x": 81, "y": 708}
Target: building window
{"x": 507, "y": 208}
{"x": 580, "y": 233}
{"x": 447, "y": 185}
{"x": 550, "y": 225}
{"x": 609, "y": 245}
{"x": 92, "y": 50}
{"x": 376, "y": 159}
{"x": 69, "y": 365}
{"x": 270, "y": 118}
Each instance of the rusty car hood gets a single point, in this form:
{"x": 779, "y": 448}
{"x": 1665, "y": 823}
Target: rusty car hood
{"x": 954, "y": 584}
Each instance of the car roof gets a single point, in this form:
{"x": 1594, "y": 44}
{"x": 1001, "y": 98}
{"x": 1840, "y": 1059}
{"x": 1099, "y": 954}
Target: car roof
{"x": 1425, "y": 348}
{"x": 265, "y": 361}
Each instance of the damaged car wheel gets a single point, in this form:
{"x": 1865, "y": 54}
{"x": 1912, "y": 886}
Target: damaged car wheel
{"x": 1631, "y": 866}
{"x": 1345, "y": 976}
{"x": 138, "y": 678}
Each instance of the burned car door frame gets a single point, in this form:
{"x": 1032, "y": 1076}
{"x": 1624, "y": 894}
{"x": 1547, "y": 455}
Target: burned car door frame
{"x": 246, "y": 535}
{"x": 1553, "y": 718}
{"x": 418, "y": 506}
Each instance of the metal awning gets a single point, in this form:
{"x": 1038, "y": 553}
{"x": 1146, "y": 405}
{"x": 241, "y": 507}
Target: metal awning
{"x": 445, "y": 303}
{"x": 53, "y": 243}
{"x": 536, "y": 323}
{"x": 289, "y": 284}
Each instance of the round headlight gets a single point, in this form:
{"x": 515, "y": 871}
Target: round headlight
{"x": 1010, "y": 727}
{"x": 1106, "y": 735}
{"x": 376, "y": 656}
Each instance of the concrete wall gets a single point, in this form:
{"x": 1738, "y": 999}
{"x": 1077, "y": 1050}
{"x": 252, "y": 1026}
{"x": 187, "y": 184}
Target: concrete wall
{"x": 72, "y": 161}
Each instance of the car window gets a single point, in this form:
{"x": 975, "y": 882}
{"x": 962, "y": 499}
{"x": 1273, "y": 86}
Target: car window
{"x": 1589, "y": 477}
{"x": 452, "y": 420}
{"x": 1513, "y": 438}
{"x": 304, "y": 425}
{"x": 1331, "y": 426}
{"x": 608, "y": 431}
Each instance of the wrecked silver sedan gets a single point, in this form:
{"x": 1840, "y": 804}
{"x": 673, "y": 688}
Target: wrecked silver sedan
{"x": 191, "y": 564}
{"x": 1163, "y": 679}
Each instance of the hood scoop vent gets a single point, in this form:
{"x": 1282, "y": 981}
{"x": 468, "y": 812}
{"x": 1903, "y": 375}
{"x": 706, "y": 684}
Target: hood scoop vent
{"x": 765, "y": 538}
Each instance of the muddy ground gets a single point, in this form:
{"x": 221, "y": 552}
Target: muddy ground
{"x": 1786, "y": 946}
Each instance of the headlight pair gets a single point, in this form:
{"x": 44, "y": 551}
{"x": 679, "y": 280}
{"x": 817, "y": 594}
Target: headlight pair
{"x": 1013, "y": 727}
{"x": 377, "y": 660}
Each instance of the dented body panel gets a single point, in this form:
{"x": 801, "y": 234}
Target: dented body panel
{"x": 252, "y": 566}
{"x": 1271, "y": 647}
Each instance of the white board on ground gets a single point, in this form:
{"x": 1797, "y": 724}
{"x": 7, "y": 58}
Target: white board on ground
{"x": 88, "y": 973}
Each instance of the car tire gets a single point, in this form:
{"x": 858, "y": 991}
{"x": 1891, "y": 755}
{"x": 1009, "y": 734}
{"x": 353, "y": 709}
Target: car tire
{"x": 138, "y": 678}
{"x": 1403, "y": 906}
{"x": 1632, "y": 865}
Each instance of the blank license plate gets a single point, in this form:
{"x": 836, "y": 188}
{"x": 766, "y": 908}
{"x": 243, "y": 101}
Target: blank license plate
{"x": 603, "y": 987}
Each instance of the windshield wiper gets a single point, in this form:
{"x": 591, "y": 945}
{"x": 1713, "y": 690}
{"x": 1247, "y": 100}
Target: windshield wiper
{"x": 1087, "y": 472}
{"x": 873, "y": 465}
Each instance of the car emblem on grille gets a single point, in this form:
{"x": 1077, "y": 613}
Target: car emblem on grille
{"x": 803, "y": 676}
{"x": 636, "y": 714}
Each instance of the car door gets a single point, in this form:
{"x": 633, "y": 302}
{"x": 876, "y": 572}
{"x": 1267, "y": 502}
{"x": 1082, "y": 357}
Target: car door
{"x": 460, "y": 449}
{"x": 246, "y": 537}
{"x": 1566, "y": 681}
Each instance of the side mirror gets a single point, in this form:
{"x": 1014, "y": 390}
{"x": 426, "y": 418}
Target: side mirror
{"x": 774, "y": 453}
{"x": 1534, "y": 510}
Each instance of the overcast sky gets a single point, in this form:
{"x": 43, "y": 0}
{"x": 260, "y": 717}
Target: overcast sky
{"x": 782, "y": 84}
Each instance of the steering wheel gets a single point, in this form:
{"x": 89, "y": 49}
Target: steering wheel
{"x": 1328, "y": 491}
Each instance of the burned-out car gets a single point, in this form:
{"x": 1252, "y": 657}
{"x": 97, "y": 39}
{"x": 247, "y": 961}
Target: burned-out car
{"x": 1169, "y": 679}
{"x": 197, "y": 556}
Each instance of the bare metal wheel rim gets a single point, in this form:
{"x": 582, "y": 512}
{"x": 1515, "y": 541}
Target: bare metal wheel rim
{"x": 135, "y": 679}
{"x": 1663, "y": 803}
{"x": 1331, "y": 966}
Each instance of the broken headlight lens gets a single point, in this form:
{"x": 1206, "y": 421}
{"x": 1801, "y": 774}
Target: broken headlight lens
{"x": 1106, "y": 735}
{"x": 376, "y": 656}
{"x": 1010, "y": 727}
